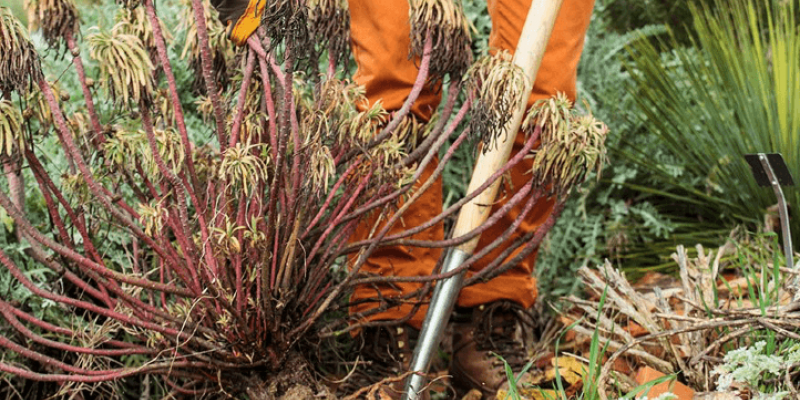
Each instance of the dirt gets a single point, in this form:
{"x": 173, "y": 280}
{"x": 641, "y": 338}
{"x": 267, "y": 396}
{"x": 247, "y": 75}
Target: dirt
{"x": 295, "y": 381}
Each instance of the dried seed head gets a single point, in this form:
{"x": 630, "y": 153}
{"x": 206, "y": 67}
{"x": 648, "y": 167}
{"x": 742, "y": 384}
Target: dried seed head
{"x": 329, "y": 23}
{"x": 496, "y": 86}
{"x": 445, "y": 22}
{"x": 58, "y": 19}
{"x": 125, "y": 67}
{"x": 334, "y": 118}
{"x": 10, "y": 127}
{"x": 571, "y": 145}
{"x": 19, "y": 63}
{"x": 288, "y": 19}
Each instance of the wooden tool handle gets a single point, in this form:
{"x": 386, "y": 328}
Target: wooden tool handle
{"x": 528, "y": 56}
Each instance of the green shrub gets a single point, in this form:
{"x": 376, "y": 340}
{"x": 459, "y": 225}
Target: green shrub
{"x": 735, "y": 93}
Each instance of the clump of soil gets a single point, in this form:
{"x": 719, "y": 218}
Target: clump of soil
{"x": 295, "y": 381}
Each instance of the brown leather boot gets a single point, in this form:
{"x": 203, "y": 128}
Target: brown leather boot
{"x": 479, "y": 337}
{"x": 386, "y": 354}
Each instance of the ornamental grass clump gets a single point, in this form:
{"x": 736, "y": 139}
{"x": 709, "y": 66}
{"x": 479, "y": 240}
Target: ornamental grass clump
{"x": 733, "y": 93}
{"x": 208, "y": 259}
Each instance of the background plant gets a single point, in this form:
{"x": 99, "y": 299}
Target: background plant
{"x": 711, "y": 105}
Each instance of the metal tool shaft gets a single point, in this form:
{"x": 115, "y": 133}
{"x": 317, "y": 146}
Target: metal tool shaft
{"x": 783, "y": 210}
{"x": 444, "y": 297}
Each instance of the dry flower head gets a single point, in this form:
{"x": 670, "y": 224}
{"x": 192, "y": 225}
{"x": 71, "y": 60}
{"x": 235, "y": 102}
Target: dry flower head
{"x": 19, "y": 64}
{"x": 58, "y": 19}
{"x": 571, "y": 145}
{"x": 444, "y": 21}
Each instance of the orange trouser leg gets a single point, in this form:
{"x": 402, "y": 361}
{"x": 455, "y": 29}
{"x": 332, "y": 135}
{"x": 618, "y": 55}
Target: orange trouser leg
{"x": 380, "y": 40}
{"x": 380, "y": 44}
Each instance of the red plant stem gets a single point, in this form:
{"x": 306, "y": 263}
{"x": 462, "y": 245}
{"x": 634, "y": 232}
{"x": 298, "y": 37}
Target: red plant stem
{"x": 417, "y": 194}
{"x": 255, "y": 45}
{"x": 161, "y": 272}
{"x": 208, "y": 253}
{"x": 123, "y": 318}
{"x": 331, "y": 194}
{"x": 269, "y": 102}
{"x": 397, "y": 118}
{"x": 98, "y": 139}
{"x": 339, "y": 240}
{"x": 237, "y": 259}
{"x": 274, "y": 266}
{"x": 273, "y": 214}
{"x": 101, "y": 294}
{"x": 419, "y": 84}
{"x": 194, "y": 393}
{"x": 161, "y": 50}
{"x": 292, "y": 128}
{"x": 331, "y": 64}
{"x": 14, "y": 322}
{"x": 316, "y": 298}
{"x": 338, "y": 218}
{"x": 66, "y": 332}
{"x": 17, "y": 216}
{"x": 52, "y": 209}
{"x": 444, "y": 117}
{"x": 166, "y": 367}
{"x": 186, "y": 273}
{"x": 149, "y": 185}
{"x": 237, "y": 121}
{"x": 208, "y": 77}
{"x": 48, "y": 361}
{"x": 137, "y": 306}
{"x": 491, "y": 271}
{"x": 495, "y": 217}
{"x": 397, "y": 215}
{"x": 99, "y": 191}
{"x": 183, "y": 235}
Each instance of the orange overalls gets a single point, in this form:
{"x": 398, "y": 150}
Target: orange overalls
{"x": 380, "y": 35}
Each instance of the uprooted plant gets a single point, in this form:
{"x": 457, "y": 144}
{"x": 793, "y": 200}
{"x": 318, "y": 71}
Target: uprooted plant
{"x": 234, "y": 250}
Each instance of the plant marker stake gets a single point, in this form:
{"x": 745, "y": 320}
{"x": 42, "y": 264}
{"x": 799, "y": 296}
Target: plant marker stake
{"x": 528, "y": 56}
{"x": 775, "y": 173}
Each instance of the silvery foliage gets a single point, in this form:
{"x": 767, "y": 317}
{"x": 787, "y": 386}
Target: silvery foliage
{"x": 750, "y": 366}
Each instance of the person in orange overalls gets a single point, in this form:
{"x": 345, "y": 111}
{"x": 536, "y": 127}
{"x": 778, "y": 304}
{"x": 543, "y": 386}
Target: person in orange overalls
{"x": 490, "y": 315}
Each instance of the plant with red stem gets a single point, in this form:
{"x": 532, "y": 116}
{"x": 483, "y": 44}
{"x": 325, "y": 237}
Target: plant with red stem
{"x": 234, "y": 248}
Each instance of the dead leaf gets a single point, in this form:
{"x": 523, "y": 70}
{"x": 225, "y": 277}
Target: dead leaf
{"x": 716, "y": 396}
{"x": 647, "y": 374}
